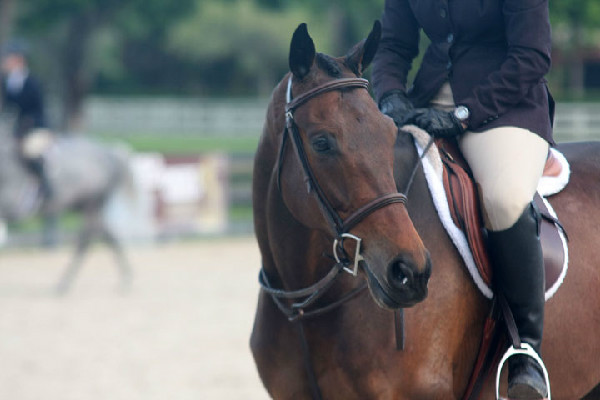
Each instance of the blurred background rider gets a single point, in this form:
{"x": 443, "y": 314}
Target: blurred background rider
{"x": 22, "y": 95}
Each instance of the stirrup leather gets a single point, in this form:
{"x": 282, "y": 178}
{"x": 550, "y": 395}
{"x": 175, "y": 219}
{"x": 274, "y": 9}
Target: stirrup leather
{"x": 527, "y": 350}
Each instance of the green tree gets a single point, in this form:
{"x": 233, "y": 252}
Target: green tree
{"x": 575, "y": 24}
{"x": 7, "y": 8}
{"x": 350, "y": 20}
{"x": 240, "y": 44}
{"x": 198, "y": 47}
{"x": 76, "y": 24}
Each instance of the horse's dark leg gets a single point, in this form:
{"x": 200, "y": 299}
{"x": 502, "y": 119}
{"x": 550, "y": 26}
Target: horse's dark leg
{"x": 594, "y": 394}
{"x": 84, "y": 241}
{"x": 50, "y": 230}
{"x": 49, "y": 207}
{"x": 122, "y": 263}
{"x": 3, "y": 232}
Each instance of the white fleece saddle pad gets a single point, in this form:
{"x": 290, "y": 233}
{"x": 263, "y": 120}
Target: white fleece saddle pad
{"x": 433, "y": 168}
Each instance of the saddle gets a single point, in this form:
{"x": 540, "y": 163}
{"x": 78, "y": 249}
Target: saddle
{"x": 465, "y": 210}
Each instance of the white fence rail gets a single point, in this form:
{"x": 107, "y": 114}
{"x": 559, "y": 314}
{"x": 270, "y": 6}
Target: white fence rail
{"x": 176, "y": 116}
{"x": 231, "y": 117}
{"x": 577, "y": 121}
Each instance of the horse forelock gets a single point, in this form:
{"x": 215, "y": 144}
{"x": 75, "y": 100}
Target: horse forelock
{"x": 326, "y": 67}
{"x": 329, "y": 65}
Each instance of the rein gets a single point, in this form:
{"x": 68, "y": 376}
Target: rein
{"x": 304, "y": 298}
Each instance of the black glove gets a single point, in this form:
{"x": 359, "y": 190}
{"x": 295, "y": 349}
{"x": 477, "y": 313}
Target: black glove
{"x": 396, "y": 105}
{"x": 438, "y": 123}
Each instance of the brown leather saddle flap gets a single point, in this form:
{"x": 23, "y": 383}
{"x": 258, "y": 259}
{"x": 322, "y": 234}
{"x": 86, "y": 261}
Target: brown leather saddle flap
{"x": 465, "y": 209}
{"x": 464, "y": 203}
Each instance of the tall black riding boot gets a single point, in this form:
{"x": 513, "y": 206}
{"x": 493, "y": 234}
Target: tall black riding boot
{"x": 519, "y": 275}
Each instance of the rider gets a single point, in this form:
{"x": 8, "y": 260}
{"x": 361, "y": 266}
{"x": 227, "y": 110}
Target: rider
{"x": 22, "y": 92}
{"x": 482, "y": 81}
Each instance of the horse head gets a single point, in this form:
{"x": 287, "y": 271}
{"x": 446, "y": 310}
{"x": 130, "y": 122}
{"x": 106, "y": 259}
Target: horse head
{"x": 342, "y": 182}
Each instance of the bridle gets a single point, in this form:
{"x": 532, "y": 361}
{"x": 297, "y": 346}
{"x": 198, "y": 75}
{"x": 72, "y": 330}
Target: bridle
{"x": 303, "y": 298}
{"x": 337, "y": 224}
{"x": 340, "y": 227}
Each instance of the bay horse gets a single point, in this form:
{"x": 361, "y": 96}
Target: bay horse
{"x": 326, "y": 159}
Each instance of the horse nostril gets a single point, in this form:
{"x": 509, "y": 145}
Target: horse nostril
{"x": 399, "y": 273}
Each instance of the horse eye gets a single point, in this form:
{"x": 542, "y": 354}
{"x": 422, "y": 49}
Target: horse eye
{"x": 321, "y": 145}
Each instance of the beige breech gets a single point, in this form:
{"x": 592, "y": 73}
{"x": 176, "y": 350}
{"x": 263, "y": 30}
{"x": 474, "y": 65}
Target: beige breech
{"x": 507, "y": 164}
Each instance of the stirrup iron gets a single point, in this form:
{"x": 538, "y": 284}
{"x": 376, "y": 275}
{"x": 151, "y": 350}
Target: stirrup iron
{"x": 527, "y": 350}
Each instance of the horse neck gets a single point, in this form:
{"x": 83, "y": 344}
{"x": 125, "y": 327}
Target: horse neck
{"x": 422, "y": 210}
{"x": 406, "y": 160}
{"x": 454, "y": 303}
{"x": 269, "y": 206}
{"x": 275, "y": 121}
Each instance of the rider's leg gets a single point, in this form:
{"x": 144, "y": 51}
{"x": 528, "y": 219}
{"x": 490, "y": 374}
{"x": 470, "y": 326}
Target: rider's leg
{"x": 38, "y": 168}
{"x": 507, "y": 164}
{"x": 50, "y": 228}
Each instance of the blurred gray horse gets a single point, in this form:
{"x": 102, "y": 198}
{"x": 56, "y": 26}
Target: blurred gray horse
{"x": 84, "y": 175}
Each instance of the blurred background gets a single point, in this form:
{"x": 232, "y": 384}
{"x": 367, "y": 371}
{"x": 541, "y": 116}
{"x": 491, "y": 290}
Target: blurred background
{"x": 183, "y": 87}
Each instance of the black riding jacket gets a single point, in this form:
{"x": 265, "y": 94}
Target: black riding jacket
{"x": 494, "y": 53}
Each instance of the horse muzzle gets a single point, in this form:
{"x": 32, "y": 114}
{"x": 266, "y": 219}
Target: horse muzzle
{"x": 402, "y": 284}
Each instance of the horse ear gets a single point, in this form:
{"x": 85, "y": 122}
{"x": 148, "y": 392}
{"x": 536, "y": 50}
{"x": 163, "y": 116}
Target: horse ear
{"x": 361, "y": 55}
{"x": 302, "y": 52}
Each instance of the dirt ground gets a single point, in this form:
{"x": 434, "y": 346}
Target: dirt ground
{"x": 181, "y": 332}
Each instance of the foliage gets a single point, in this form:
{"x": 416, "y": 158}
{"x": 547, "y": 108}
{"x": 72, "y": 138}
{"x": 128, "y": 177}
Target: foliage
{"x": 212, "y": 47}
{"x": 586, "y": 12}
{"x": 575, "y": 23}
{"x": 70, "y": 28}
{"x": 42, "y": 14}
{"x": 220, "y": 47}
{"x": 352, "y": 19}
{"x": 253, "y": 42}
{"x": 576, "y": 30}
